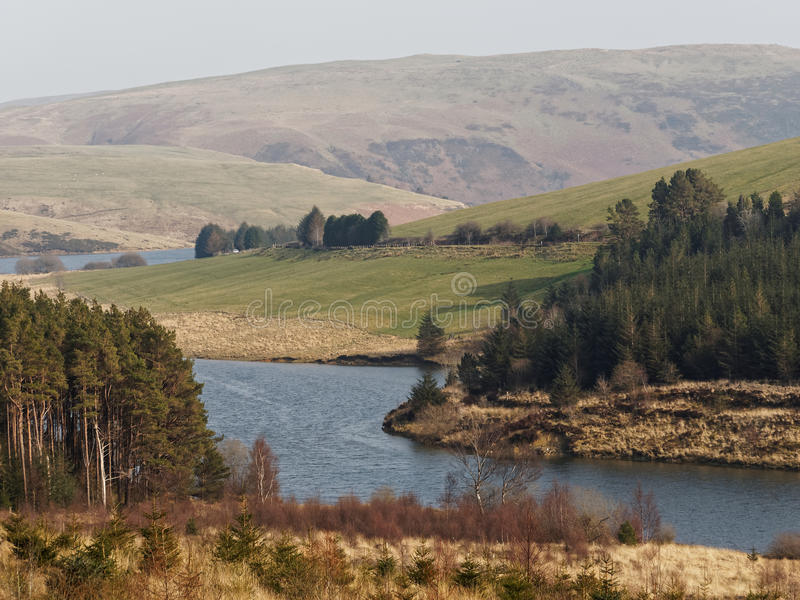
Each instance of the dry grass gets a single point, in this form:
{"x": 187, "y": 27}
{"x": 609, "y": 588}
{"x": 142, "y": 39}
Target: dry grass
{"x": 173, "y": 192}
{"x": 657, "y": 571}
{"x": 26, "y": 224}
{"x": 227, "y": 336}
{"x": 745, "y": 424}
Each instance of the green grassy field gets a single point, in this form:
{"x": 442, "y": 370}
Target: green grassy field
{"x": 457, "y": 279}
{"x": 761, "y": 169}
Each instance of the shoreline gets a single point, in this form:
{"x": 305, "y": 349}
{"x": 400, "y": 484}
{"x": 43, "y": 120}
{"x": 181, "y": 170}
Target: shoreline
{"x": 114, "y": 251}
{"x": 738, "y": 425}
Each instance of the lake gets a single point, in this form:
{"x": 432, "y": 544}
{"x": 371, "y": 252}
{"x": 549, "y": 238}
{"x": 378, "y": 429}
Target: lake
{"x": 324, "y": 424}
{"x": 73, "y": 262}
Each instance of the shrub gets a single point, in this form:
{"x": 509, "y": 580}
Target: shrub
{"x": 287, "y": 571}
{"x": 35, "y": 543}
{"x": 627, "y": 376}
{"x": 785, "y": 545}
{"x": 468, "y": 575}
{"x": 97, "y": 265}
{"x": 25, "y": 266}
{"x": 516, "y": 586}
{"x": 160, "y": 551}
{"x": 626, "y": 534}
{"x": 467, "y": 233}
{"x": 48, "y": 264}
{"x": 130, "y": 259}
{"x": 505, "y": 231}
{"x": 242, "y": 542}
{"x": 423, "y": 569}
{"x": 43, "y": 264}
{"x": 426, "y": 392}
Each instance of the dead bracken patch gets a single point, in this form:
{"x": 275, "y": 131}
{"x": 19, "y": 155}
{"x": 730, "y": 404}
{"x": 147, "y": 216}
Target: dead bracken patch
{"x": 222, "y": 335}
{"x": 743, "y": 424}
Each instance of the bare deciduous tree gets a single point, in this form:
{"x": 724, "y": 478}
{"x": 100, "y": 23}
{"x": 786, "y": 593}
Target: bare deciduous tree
{"x": 262, "y": 474}
{"x": 646, "y": 517}
{"x": 487, "y": 478}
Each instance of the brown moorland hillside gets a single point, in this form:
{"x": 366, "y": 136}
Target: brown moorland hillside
{"x": 175, "y": 191}
{"x": 474, "y": 129}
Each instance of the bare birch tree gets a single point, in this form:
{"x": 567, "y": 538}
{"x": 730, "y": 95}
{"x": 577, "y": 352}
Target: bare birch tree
{"x": 262, "y": 475}
{"x": 487, "y": 474}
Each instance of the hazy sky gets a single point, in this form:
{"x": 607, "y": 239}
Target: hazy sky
{"x": 50, "y": 47}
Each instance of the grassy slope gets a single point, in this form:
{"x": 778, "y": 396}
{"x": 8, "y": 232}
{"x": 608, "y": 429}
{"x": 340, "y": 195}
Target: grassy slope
{"x": 175, "y": 191}
{"x": 25, "y": 224}
{"x": 474, "y": 129}
{"x": 231, "y": 283}
{"x": 762, "y": 169}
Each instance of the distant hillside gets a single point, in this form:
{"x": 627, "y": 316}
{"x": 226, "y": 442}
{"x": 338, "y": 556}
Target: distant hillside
{"x": 20, "y": 234}
{"x": 474, "y": 129}
{"x": 762, "y": 169}
{"x": 173, "y": 192}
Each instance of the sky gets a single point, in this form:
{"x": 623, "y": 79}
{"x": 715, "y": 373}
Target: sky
{"x": 52, "y": 47}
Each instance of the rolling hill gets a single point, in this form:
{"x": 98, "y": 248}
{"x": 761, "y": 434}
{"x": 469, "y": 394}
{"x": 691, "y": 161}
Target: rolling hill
{"x": 762, "y": 169}
{"x": 21, "y": 233}
{"x": 173, "y": 192}
{"x": 474, "y": 129}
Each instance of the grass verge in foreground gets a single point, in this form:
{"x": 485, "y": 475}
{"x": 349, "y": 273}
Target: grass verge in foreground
{"x": 195, "y": 550}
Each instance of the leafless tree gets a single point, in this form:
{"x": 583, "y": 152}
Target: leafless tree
{"x": 516, "y": 475}
{"x": 646, "y": 517}
{"x": 235, "y": 455}
{"x": 262, "y": 474}
{"x": 488, "y": 477}
{"x": 477, "y": 460}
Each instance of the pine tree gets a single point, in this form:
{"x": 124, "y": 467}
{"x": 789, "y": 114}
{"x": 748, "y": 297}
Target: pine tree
{"x": 423, "y": 567}
{"x": 210, "y": 473}
{"x": 430, "y": 337}
{"x": 468, "y": 373}
{"x": 160, "y": 551}
{"x": 511, "y": 303}
{"x": 426, "y": 392}
{"x": 624, "y": 223}
{"x": 565, "y": 388}
{"x": 468, "y": 575}
{"x": 238, "y": 237}
{"x": 495, "y": 359}
{"x": 242, "y": 542}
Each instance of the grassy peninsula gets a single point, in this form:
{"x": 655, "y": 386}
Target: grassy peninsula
{"x": 720, "y": 422}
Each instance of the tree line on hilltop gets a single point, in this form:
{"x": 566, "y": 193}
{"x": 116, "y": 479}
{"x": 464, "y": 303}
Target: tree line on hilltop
{"x": 313, "y": 231}
{"x": 689, "y": 293}
{"x": 213, "y": 239}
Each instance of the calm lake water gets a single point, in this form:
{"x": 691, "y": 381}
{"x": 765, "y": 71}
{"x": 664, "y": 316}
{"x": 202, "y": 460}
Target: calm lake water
{"x": 324, "y": 423}
{"x": 73, "y": 262}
